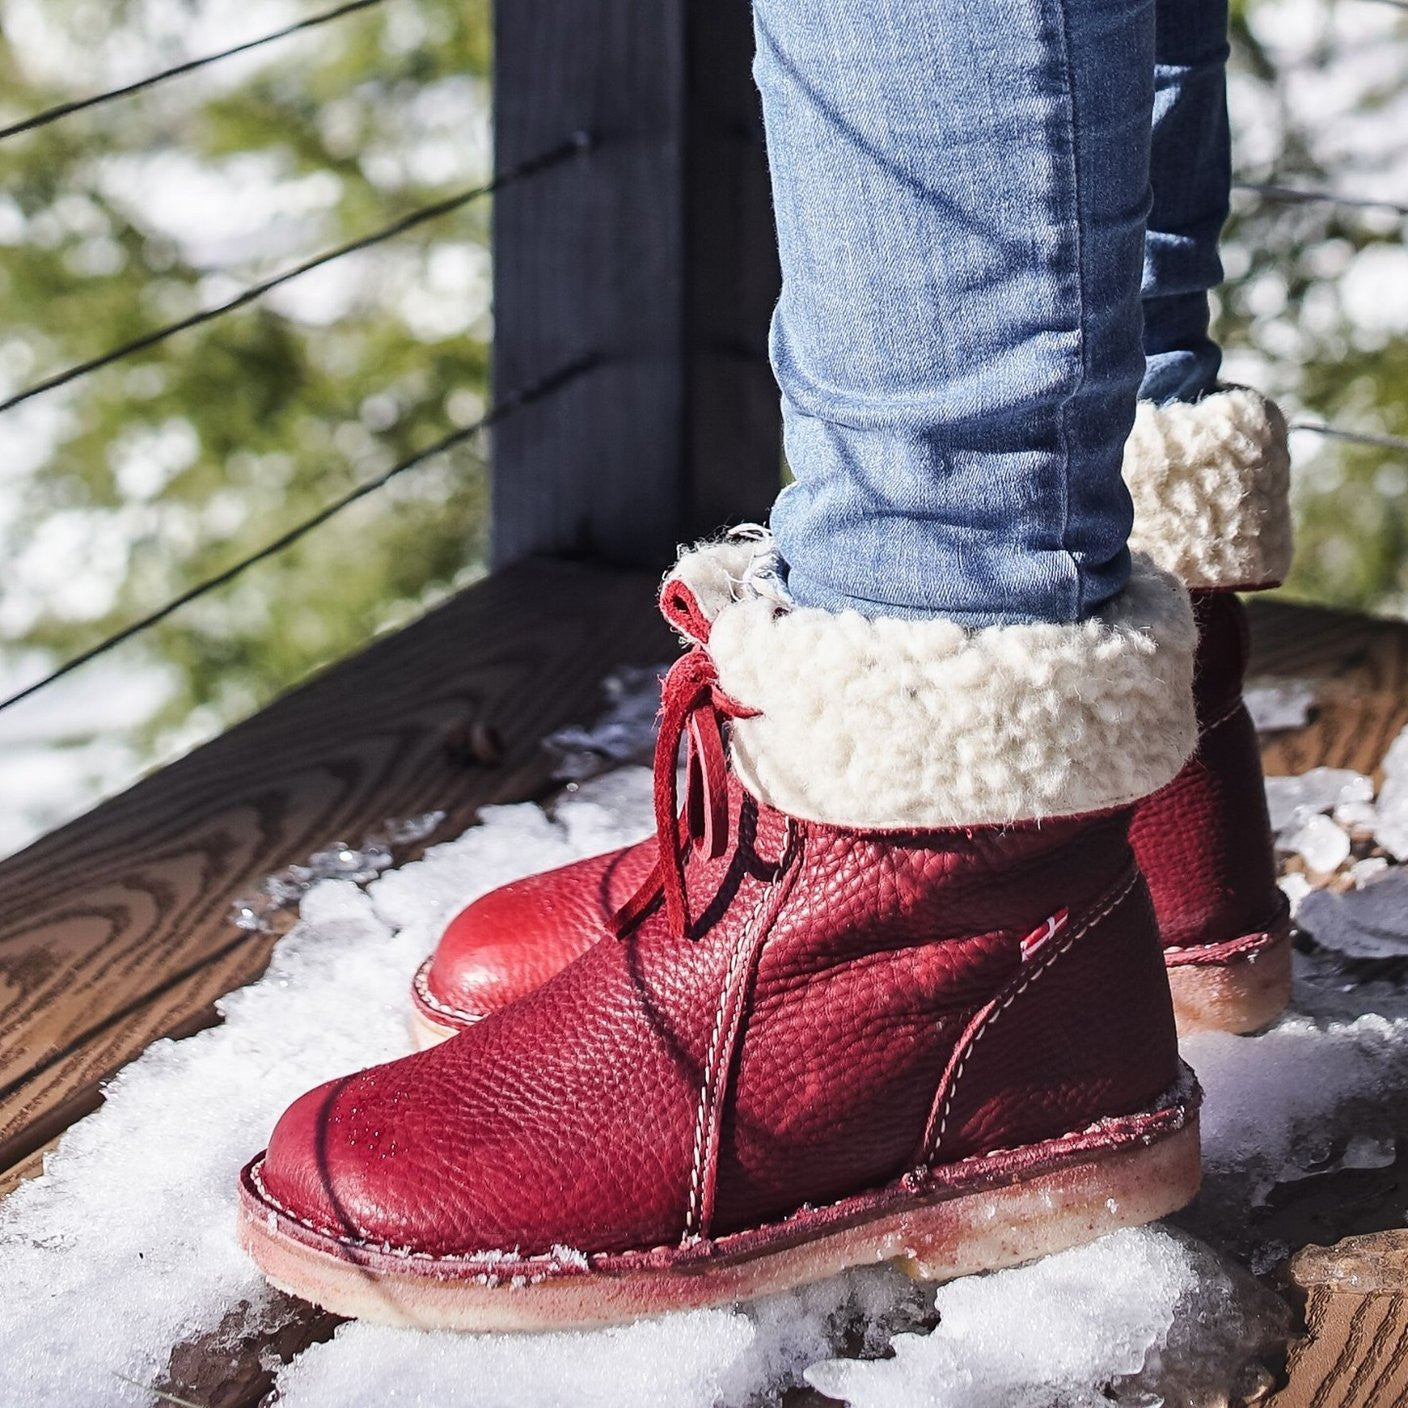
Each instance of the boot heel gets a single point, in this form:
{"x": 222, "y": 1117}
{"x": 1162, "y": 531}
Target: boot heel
{"x": 1066, "y": 1207}
{"x": 1241, "y": 995}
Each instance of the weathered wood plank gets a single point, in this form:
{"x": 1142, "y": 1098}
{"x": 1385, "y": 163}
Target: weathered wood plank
{"x": 1360, "y": 669}
{"x": 115, "y": 929}
{"x": 1354, "y": 1353}
{"x": 653, "y": 251}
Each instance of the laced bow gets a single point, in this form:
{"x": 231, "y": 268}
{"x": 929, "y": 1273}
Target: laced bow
{"x": 692, "y": 705}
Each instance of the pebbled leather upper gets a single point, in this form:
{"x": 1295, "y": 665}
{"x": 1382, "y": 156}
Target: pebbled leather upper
{"x": 796, "y": 1050}
{"x": 516, "y": 937}
{"x": 1204, "y": 841}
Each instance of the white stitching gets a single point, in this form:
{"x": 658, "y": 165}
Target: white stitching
{"x": 421, "y": 983}
{"x": 1223, "y": 718}
{"x": 745, "y": 943}
{"x": 1042, "y": 964}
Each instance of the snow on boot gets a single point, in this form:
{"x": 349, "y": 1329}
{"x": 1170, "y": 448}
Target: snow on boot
{"x": 1210, "y": 484}
{"x": 891, "y": 988}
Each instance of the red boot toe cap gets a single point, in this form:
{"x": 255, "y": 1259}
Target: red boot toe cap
{"x": 512, "y": 940}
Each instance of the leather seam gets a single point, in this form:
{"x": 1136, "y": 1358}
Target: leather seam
{"x": 421, "y": 984}
{"x": 746, "y": 943}
{"x": 1225, "y": 717}
{"x": 1043, "y": 965}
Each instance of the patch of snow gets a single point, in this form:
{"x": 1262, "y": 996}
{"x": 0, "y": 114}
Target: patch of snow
{"x": 1391, "y": 829}
{"x": 1127, "y": 1319}
{"x": 102, "y": 1275}
{"x": 1285, "y": 704}
{"x": 1319, "y": 840}
{"x": 1141, "y": 1316}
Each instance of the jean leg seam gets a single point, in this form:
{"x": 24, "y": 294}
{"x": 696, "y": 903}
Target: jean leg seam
{"x": 1071, "y": 119}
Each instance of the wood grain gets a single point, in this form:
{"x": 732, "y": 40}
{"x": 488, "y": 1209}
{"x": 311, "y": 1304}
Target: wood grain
{"x": 114, "y": 930}
{"x": 1359, "y": 668}
{"x": 1354, "y": 1355}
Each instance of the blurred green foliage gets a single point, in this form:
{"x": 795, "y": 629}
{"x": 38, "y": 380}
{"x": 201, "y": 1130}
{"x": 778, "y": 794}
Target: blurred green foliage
{"x": 174, "y": 463}
{"x": 1316, "y": 301}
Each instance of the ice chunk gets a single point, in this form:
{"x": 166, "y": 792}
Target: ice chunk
{"x": 1284, "y": 704}
{"x": 1357, "y": 816}
{"x": 1295, "y": 886}
{"x": 1371, "y": 922}
{"x": 1366, "y": 871}
{"x": 625, "y": 732}
{"x": 1319, "y": 841}
{"x": 1369, "y": 1151}
{"x": 1291, "y": 799}
{"x": 1273, "y": 1100}
{"x": 1391, "y": 832}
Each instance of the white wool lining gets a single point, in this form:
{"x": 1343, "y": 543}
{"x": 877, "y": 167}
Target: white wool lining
{"x": 888, "y": 723}
{"x": 1211, "y": 488}
{"x": 740, "y": 566}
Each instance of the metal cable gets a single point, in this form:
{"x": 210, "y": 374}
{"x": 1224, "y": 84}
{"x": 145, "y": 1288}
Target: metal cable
{"x": 535, "y": 392}
{"x": 571, "y": 147}
{"x": 53, "y": 114}
{"x": 1358, "y": 437}
{"x": 1271, "y": 191}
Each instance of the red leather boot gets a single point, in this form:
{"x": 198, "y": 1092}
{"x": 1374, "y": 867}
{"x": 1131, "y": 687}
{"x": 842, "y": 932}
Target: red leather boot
{"x": 890, "y": 989}
{"x": 1210, "y": 484}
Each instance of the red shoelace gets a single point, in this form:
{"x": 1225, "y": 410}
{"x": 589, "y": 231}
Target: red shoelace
{"x": 691, "y": 704}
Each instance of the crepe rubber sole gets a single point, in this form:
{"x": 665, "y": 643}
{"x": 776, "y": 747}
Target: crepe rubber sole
{"x": 1241, "y": 988}
{"x": 981, "y": 1214}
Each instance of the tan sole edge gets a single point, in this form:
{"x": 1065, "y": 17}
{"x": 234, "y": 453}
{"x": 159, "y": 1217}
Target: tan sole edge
{"x": 1241, "y": 997}
{"x": 426, "y": 1033}
{"x": 1063, "y": 1207}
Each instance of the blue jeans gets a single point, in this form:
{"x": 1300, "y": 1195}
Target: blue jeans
{"x": 961, "y": 190}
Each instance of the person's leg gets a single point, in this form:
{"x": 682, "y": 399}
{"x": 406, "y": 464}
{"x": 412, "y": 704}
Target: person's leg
{"x": 1191, "y": 173}
{"x": 961, "y": 188}
{"x": 1208, "y": 471}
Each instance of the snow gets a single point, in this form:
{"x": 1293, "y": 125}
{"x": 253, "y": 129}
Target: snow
{"x": 1319, "y": 840}
{"x": 1391, "y": 830}
{"x": 134, "y": 1216}
{"x": 1281, "y": 705}
{"x": 1153, "y": 1314}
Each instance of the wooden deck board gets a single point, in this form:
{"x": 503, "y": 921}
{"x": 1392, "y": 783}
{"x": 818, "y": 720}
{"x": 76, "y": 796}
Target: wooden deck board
{"x": 1359, "y": 667}
{"x": 1354, "y": 1350}
{"x": 115, "y": 929}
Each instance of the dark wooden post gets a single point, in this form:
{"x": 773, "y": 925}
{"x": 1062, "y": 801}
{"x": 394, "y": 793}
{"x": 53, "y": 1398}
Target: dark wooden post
{"x": 653, "y": 249}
